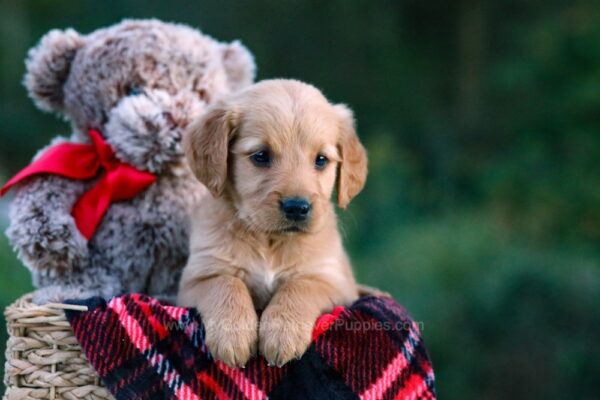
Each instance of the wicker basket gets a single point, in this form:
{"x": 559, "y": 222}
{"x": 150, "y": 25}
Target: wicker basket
{"x": 43, "y": 358}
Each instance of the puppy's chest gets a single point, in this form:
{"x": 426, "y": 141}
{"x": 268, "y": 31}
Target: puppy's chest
{"x": 262, "y": 279}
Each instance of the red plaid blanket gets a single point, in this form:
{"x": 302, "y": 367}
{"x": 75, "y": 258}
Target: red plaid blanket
{"x": 143, "y": 349}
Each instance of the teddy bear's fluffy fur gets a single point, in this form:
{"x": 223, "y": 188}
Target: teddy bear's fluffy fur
{"x": 139, "y": 83}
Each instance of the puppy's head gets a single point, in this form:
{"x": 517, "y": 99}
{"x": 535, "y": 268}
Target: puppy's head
{"x": 275, "y": 151}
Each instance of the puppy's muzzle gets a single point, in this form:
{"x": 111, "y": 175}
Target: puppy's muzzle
{"x": 296, "y": 209}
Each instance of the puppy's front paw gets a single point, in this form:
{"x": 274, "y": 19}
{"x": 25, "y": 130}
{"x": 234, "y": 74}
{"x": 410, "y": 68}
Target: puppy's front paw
{"x": 283, "y": 335}
{"x": 232, "y": 339}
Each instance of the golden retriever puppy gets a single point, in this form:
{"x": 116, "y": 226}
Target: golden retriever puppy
{"x": 267, "y": 239}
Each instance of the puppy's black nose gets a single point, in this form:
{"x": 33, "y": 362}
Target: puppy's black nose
{"x": 295, "y": 208}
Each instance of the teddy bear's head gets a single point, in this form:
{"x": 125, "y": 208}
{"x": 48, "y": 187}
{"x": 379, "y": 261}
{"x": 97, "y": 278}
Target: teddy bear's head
{"x": 139, "y": 83}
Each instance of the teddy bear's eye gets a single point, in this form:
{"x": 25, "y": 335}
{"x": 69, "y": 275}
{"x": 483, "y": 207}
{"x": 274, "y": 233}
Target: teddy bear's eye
{"x": 135, "y": 90}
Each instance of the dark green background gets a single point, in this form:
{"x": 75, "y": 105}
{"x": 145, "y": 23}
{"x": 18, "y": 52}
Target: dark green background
{"x": 482, "y": 120}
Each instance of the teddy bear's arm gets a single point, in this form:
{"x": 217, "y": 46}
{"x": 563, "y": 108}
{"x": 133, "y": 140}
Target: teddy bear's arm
{"x": 41, "y": 228}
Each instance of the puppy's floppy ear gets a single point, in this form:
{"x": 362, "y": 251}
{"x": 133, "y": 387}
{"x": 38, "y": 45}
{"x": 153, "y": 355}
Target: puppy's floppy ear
{"x": 353, "y": 168}
{"x": 206, "y": 146}
{"x": 48, "y": 65}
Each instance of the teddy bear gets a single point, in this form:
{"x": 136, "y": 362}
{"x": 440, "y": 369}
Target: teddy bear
{"x": 106, "y": 210}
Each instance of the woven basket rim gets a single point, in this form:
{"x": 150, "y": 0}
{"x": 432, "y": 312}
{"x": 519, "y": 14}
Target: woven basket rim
{"x": 24, "y": 313}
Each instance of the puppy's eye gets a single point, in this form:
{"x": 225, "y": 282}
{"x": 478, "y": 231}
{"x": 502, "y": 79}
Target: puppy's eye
{"x": 135, "y": 90}
{"x": 261, "y": 159}
{"x": 321, "y": 162}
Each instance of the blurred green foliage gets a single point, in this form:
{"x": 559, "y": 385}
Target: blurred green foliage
{"x": 482, "y": 209}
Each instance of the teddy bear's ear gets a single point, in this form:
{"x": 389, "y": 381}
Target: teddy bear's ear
{"x": 48, "y": 65}
{"x": 239, "y": 65}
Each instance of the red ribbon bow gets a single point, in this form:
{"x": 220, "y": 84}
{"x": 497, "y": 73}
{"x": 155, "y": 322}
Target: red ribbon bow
{"x": 120, "y": 181}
